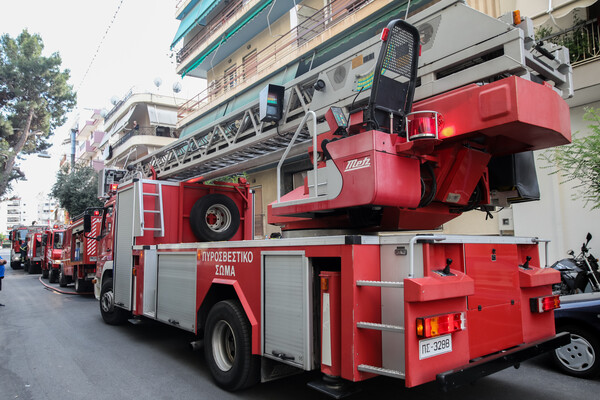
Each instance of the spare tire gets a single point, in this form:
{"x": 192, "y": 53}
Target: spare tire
{"x": 214, "y": 217}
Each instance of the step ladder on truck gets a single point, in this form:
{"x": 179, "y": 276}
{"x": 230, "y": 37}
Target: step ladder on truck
{"x": 402, "y": 142}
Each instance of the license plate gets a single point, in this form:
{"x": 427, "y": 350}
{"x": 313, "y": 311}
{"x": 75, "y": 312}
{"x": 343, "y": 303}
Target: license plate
{"x": 435, "y": 346}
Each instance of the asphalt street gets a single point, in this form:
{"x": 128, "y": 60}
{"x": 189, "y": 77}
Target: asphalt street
{"x": 56, "y": 347}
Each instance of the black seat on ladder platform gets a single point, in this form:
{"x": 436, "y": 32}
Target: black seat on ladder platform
{"x": 394, "y": 77}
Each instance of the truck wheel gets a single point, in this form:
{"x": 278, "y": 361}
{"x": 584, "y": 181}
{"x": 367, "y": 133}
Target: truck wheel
{"x": 51, "y": 275}
{"x": 26, "y": 266}
{"x": 228, "y": 347}
{"x": 580, "y": 357}
{"x": 62, "y": 278}
{"x": 80, "y": 285}
{"x": 45, "y": 273}
{"x": 15, "y": 264}
{"x": 110, "y": 314}
{"x": 214, "y": 217}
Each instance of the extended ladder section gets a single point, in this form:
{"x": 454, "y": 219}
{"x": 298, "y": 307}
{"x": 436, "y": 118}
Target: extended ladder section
{"x": 451, "y": 57}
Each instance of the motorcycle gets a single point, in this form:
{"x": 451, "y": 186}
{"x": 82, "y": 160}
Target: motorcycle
{"x": 578, "y": 274}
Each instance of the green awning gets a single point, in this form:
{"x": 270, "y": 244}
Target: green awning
{"x": 230, "y": 32}
{"x": 193, "y": 18}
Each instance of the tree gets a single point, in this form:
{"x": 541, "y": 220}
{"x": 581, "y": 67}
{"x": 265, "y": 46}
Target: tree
{"x": 34, "y": 100}
{"x": 580, "y": 161}
{"x": 76, "y": 190}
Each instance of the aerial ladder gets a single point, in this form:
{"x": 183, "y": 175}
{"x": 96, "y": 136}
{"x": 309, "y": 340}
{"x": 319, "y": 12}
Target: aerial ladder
{"x": 481, "y": 51}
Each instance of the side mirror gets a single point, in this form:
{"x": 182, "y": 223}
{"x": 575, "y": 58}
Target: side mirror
{"x": 571, "y": 253}
{"x": 87, "y": 223}
{"x": 588, "y": 237}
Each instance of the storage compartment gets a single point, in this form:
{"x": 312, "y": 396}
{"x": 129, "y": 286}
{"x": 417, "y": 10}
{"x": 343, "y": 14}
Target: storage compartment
{"x": 287, "y": 298}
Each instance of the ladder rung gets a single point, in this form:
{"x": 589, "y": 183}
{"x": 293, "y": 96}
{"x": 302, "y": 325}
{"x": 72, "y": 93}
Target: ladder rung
{"x": 381, "y": 371}
{"x": 380, "y": 284}
{"x": 380, "y": 327}
{"x": 152, "y": 211}
{"x": 151, "y": 229}
{"x": 150, "y": 194}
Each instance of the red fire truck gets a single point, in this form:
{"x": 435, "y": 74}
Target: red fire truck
{"x": 35, "y": 253}
{"x": 344, "y": 292}
{"x": 52, "y": 240}
{"x": 79, "y": 254}
{"x": 20, "y": 237}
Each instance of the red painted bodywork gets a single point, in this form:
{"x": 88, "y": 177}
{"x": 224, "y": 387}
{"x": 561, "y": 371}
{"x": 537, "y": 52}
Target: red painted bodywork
{"x": 52, "y": 257}
{"x": 378, "y": 169}
{"x": 80, "y": 250}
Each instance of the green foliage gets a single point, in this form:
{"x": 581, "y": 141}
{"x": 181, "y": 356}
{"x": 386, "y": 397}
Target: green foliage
{"x": 77, "y": 190}
{"x": 579, "y": 162}
{"x": 34, "y": 100}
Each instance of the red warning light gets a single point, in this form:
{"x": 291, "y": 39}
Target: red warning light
{"x": 96, "y": 213}
{"x": 384, "y": 34}
{"x": 113, "y": 187}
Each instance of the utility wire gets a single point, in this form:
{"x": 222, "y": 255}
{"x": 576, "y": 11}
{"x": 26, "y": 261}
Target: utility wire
{"x": 110, "y": 24}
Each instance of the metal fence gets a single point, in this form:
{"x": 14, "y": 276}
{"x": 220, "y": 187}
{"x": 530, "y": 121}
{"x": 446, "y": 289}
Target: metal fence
{"x": 582, "y": 40}
{"x": 143, "y": 130}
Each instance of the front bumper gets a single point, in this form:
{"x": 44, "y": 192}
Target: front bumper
{"x": 497, "y": 362}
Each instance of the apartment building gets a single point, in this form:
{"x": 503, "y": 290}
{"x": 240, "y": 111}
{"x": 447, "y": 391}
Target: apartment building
{"x": 138, "y": 124}
{"x": 239, "y": 46}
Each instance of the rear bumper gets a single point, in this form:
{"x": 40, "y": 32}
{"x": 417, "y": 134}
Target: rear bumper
{"x": 497, "y": 362}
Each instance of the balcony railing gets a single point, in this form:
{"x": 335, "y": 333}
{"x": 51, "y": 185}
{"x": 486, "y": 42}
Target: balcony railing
{"x": 313, "y": 23}
{"x": 143, "y": 131}
{"x": 582, "y": 40}
{"x": 218, "y": 21}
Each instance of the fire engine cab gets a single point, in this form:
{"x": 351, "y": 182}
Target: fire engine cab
{"x": 345, "y": 291}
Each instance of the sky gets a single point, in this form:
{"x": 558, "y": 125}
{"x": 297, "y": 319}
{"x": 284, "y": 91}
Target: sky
{"x": 132, "y": 51}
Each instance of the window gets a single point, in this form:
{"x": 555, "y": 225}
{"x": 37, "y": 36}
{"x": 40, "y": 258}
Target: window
{"x": 230, "y": 78}
{"x": 250, "y": 65}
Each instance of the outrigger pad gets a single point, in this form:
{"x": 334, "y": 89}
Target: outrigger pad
{"x": 395, "y": 76}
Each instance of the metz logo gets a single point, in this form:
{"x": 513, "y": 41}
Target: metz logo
{"x": 358, "y": 164}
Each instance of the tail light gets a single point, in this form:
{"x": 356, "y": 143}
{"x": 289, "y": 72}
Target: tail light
{"x": 544, "y": 303}
{"x": 423, "y": 125}
{"x": 113, "y": 187}
{"x": 437, "y": 325}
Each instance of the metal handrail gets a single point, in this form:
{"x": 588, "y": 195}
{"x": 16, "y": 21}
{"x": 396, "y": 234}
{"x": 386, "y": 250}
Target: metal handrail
{"x": 143, "y": 131}
{"x": 582, "y": 40}
{"x": 287, "y": 150}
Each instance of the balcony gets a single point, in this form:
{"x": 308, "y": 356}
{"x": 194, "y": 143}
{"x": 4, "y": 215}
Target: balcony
{"x": 285, "y": 49}
{"x": 136, "y": 143}
{"x": 85, "y": 150}
{"x": 582, "y": 40}
{"x": 96, "y": 139}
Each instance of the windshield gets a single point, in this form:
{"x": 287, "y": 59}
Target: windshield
{"x": 22, "y": 234}
{"x": 58, "y": 240}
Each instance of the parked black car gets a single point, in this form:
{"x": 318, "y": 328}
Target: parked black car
{"x": 579, "y": 314}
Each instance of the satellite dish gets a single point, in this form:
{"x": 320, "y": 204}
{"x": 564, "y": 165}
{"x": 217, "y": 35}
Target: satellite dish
{"x": 114, "y": 100}
{"x": 177, "y": 87}
{"x": 157, "y": 82}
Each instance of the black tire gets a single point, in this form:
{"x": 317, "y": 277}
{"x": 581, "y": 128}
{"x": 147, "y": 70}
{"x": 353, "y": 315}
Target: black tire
{"x": 62, "y": 279}
{"x": 214, "y": 217}
{"x": 228, "y": 347}
{"x": 52, "y": 275}
{"x": 26, "y": 266}
{"x": 580, "y": 357}
{"x": 15, "y": 264}
{"x": 80, "y": 285}
{"x": 45, "y": 274}
{"x": 110, "y": 314}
